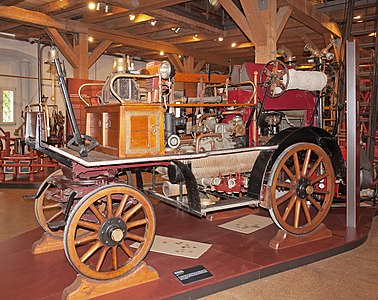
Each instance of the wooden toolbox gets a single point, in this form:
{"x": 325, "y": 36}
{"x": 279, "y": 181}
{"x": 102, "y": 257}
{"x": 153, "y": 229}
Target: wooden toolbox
{"x": 127, "y": 130}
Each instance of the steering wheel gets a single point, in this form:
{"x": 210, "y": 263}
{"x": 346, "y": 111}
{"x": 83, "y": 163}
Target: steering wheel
{"x": 331, "y": 78}
{"x": 272, "y": 78}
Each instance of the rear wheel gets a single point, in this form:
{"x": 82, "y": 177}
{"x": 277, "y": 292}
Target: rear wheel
{"x": 48, "y": 206}
{"x": 301, "y": 188}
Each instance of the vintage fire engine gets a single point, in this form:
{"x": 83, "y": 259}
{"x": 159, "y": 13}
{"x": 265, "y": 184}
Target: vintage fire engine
{"x": 221, "y": 150}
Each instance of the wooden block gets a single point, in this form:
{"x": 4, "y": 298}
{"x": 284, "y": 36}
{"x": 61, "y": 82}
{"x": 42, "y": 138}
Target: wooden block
{"x": 85, "y": 288}
{"x": 284, "y": 239}
{"x": 47, "y": 243}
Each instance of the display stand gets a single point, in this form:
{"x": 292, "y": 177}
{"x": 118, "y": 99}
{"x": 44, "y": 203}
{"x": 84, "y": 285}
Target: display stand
{"x": 84, "y": 288}
{"x": 284, "y": 240}
{"x": 47, "y": 243}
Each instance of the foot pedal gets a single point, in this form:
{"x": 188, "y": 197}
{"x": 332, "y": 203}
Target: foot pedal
{"x": 55, "y": 226}
{"x": 30, "y": 196}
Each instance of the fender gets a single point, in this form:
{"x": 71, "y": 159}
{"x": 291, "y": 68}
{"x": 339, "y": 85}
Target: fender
{"x": 285, "y": 139}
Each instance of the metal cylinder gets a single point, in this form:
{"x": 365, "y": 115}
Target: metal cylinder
{"x": 120, "y": 65}
{"x": 172, "y": 190}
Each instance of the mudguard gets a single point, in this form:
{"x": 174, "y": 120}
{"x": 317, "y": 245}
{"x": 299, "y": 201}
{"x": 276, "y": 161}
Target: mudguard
{"x": 285, "y": 139}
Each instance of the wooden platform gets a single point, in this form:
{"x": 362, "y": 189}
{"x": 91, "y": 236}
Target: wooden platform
{"x": 234, "y": 258}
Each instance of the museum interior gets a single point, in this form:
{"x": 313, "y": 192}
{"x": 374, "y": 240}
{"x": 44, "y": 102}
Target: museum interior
{"x": 175, "y": 149}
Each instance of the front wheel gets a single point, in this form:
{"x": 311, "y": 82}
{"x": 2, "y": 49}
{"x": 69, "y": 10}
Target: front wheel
{"x": 301, "y": 188}
{"x": 119, "y": 223}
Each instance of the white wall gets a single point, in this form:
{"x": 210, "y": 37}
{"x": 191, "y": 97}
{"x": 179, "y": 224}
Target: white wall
{"x": 20, "y": 59}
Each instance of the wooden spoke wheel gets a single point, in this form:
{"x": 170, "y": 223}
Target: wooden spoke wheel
{"x": 48, "y": 207}
{"x": 119, "y": 223}
{"x": 272, "y": 78}
{"x": 301, "y": 188}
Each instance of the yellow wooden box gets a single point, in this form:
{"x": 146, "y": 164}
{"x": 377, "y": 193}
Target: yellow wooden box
{"x": 127, "y": 130}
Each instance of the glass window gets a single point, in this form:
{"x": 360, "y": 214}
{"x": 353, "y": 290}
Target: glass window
{"x": 8, "y": 106}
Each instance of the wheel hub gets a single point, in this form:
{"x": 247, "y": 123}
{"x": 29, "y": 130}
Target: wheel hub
{"x": 112, "y": 232}
{"x": 304, "y": 188}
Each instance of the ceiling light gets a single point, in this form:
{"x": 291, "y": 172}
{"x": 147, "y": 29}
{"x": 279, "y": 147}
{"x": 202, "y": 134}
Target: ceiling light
{"x": 179, "y": 56}
{"x": 220, "y": 39}
{"x": 106, "y": 9}
{"x": 92, "y": 5}
{"x": 98, "y": 6}
{"x": 90, "y": 39}
{"x": 132, "y": 17}
{"x": 161, "y": 53}
{"x": 177, "y": 29}
{"x": 372, "y": 34}
{"x": 153, "y": 22}
{"x": 233, "y": 45}
{"x": 357, "y": 17}
{"x": 195, "y": 37}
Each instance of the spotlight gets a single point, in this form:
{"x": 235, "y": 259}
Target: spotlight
{"x": 195, "y": 37}
{"x": 161, "y": 53}
{"x": 98, "y": 6}
{"x": 92, "y": 5}
{"x": 106, "y": 8}
{"x": 132, "y": 17}
{"x": 90, "y": 39}
{"x": 220, "y": 39}
{"x": 153, "y": 22}
{"x": 177, "y": 29}
{"x": 233, "y": 45}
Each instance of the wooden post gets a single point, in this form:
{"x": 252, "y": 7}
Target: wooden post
{"x": 267, "y": 52}
{"x": 82, "y": 53}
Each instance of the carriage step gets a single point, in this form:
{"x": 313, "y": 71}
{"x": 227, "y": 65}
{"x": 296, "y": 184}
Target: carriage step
{"x": 55, "y": 226}
{"x": 30, "y": 196}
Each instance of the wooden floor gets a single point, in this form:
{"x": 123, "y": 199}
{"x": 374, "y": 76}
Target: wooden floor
{"x": 234, "y": 258}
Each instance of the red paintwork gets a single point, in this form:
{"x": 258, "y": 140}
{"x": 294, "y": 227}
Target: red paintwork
{"x": 289, "y": 100}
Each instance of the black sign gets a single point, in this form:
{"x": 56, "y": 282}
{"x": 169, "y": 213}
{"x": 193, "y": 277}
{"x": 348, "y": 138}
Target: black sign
{"x": 192, "y": 274}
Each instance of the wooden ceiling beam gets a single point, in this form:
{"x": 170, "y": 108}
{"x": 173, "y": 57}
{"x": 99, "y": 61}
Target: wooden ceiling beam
{"x": 133, "y": 41}
{"x": 282, "y": 17}
{"x": 182, "y": 21}
{"x": 307, "y": 13}
{"x": 54, "y": 24}
{"x": 145, "y": 5}
{"x": 40, "y": 19}
{"x": 175, "y": 60}
{"x": 97, "y": 52}
{"x": 59, "y": 6}
{"x": 8, "y": 26}
{"x": 199, "y": 66}
{"x": 132, "y": 7}
{"x": 238, "y": 18}
{"x": 10, "y": 2}
{"x": 141, "y": 29}
{"x": 63, "y": 47}
{"x": 255, "y": 21}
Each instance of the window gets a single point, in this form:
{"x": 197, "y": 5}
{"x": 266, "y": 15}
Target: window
{"x": 7, "y": 106}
